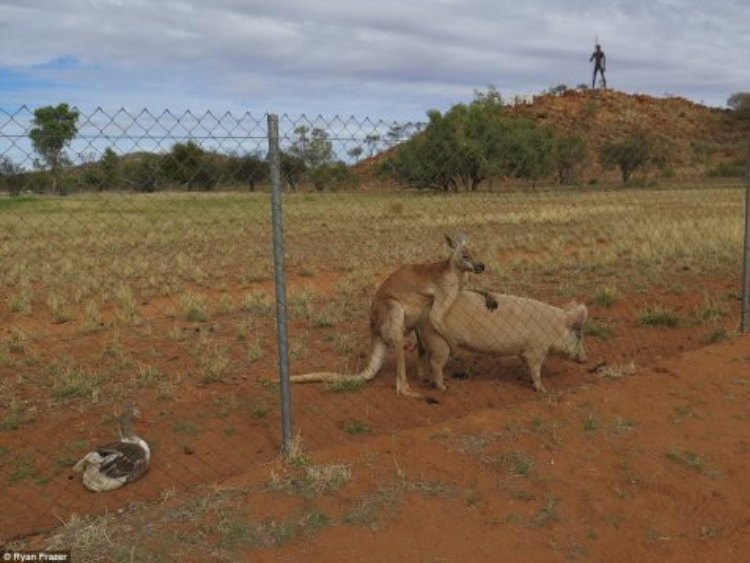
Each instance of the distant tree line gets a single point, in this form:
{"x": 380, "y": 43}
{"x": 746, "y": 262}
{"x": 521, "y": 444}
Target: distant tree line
{"x": 187, "y": 165}
{"x": 459, "y": 149}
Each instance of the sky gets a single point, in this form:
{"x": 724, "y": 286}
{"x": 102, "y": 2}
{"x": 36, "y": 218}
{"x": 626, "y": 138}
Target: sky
{"x": 385, "y": 59}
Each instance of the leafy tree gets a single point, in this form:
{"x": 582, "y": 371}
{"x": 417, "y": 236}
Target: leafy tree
{"x": 569, "y": 154}
{"x": 54, "y": 129}
{"x": 110, "y": 166}
{"x": 356, "y": 153}
{"x": 396, "y": 133}
{"x": 251, "y": 170}
{"x": 633, "y": 153}
{"x": 145, "y": 172}
{"x": 372, "y": 141}
{"x": 314, "y": 150}
{"x": 333, "y": 175}
{"x": 739, "y": 102}
{"x": 559, "y": 90}
{"x": 11, "y": 177}
{"x": 190, "y": 166}
{"x": 292, "y": 169}
{"x": 469, "y": 144}
{"x": 427, "y": 160}
{"x": 528, "y": 152}
{"x": 462, "y": 145}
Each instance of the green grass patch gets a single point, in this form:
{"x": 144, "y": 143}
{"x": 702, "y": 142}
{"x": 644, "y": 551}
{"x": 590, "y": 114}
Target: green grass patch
{"x": 718, "y": 335}
{"x": 591, "y": 423}
{"x": 14, "y": 417}
{"x": 345, "y": 385}
{"x": 606, "y": 297}
{"x": 74, "y": 383}
{"x": 520, "y": 464}
{"x": 659, "y": 317}
{"x": 598, "y": 330}
{"x": 357, "y": 427}
{"x": 548, "y": 514}
{"x": 22, "y": 469}
{"x": 693, "y": 461}
{"x": 709, "y": 312}
{"x": 194, "y": 308}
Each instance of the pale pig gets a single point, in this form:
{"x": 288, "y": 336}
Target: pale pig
{"x": 516, "y": 326}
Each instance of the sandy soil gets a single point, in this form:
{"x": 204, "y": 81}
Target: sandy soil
{"x": 649, "y": 467}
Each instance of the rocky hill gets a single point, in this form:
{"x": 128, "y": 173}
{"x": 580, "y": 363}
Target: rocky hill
{"x": 701, "y": 139}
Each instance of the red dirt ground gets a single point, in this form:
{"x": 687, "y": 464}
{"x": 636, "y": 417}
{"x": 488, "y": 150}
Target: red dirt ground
{"x": 650, "y": 467}
{"x": 662, "y": 475}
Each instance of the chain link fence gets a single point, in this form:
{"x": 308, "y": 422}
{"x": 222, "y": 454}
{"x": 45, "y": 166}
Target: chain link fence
{"x": 138, "y": 267}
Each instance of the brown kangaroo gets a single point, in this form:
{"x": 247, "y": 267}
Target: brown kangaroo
{"x": 411, "y": 293}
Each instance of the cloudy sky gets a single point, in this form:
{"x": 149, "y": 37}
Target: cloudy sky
{"x": 386, "y": 59}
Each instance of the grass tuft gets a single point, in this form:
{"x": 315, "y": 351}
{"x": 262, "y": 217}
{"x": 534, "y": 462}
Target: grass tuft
{"x": 658, "y": 316}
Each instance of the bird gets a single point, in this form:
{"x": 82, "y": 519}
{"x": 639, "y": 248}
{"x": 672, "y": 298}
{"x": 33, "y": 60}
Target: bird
{"x": 113, "y": 465}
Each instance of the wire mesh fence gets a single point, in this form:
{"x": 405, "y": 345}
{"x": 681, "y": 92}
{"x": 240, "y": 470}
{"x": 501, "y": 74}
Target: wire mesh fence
{"x": 137, "y": 263}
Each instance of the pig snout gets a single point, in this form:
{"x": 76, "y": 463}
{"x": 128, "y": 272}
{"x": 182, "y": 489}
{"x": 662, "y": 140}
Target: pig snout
{"x": 478, "y": 267}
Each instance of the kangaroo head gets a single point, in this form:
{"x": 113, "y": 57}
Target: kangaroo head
{"x": 574, "y": 320}
{"x": 463, "y": 258}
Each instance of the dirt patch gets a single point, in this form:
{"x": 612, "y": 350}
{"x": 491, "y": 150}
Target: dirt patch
{"x": 651, "y": 467}
{"x": 208, "y": 422}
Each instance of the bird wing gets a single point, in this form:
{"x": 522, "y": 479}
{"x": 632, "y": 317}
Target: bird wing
{"x": 122, "y": 460}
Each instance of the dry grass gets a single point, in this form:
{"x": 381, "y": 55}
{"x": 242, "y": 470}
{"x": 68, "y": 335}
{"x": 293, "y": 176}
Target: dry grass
{"x": 120, "y": 249}
{"x": 128, "y": 261}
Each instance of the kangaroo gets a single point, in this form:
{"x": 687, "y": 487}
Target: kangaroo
{"x": 412, "y": 292}
{"x": 517, "y": 326}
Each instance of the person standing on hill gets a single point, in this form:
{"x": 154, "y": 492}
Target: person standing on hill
{"x": 600, "y": 64}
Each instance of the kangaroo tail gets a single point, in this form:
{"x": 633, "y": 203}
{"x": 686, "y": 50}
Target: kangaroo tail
{"x": 377, "y": 357}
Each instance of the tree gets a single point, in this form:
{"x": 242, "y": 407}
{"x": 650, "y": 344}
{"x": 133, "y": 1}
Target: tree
{"x": 250, "y": 170}
{"x": 428, "y": 160}
{"x": 292, "y": 169}
{"x": 146, "y": 172}
{"x": 559, "y": 90}
{"x": 333, "y": 175}
{"x": 372, "y": 141}
{"x": 632, "y": 153}
{"x": 315, "y": 150}
{"x": 570, "y": 153}
{"x": 11, "y": 177}
{"x": 528, "y": 152}
{"x": 461, "y": 145}
{"x": 54, "y": 129}
{"x": 356, "y": 153}
{"x": 190, "y": 166}
{"x": 739, "y": 102}
{"x": 110, "y": 166}
{"x": 469, "y": 144}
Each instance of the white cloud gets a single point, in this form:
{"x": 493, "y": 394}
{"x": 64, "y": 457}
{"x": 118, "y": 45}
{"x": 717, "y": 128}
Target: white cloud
{"x": 385, "y": 59}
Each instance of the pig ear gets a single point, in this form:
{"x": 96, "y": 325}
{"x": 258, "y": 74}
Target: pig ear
{"x": 576, "y": 315}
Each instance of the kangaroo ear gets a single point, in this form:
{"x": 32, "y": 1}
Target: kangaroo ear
{"x": 456, "y": 241}
{"x": 576, "y": 315}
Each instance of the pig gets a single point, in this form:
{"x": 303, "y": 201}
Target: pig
{"x": 515, "y": 326}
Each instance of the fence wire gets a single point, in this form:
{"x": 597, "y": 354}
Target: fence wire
{"x": 137, "y": 269}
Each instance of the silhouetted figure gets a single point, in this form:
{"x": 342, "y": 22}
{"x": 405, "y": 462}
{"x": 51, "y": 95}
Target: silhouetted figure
{"x": 600, "y": 65}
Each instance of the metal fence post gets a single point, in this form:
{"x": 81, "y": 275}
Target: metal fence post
{"x": 274, "y": 160}
{"x": 746, "y": 254}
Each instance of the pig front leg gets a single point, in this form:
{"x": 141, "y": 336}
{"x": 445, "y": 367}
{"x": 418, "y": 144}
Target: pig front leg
{"x": 534, "y": 364}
